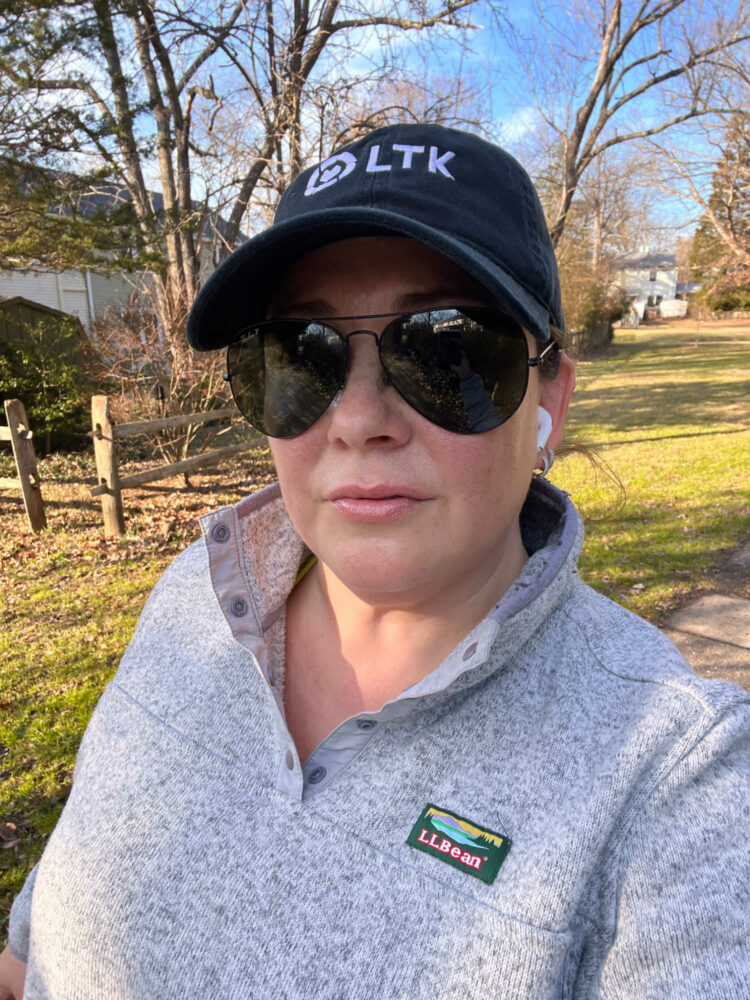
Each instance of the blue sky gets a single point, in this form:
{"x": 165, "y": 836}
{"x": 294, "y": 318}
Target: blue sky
{"x": 512, "y": 102}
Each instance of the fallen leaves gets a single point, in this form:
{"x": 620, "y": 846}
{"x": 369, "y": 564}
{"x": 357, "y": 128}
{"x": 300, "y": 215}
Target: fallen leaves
{"x": 158, "y": 518}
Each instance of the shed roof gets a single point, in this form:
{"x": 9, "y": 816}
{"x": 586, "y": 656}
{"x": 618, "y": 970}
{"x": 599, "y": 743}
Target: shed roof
{"x": 10, "y": 303}
{"x": 18, "y": 314}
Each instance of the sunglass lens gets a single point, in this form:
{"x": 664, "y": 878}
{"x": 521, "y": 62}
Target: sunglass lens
{"x": 284, "y": 374}
{"x": 463, "y": 369}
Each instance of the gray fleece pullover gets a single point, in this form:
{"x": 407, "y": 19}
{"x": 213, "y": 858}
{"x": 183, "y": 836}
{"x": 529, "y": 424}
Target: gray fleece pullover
{"x": 559, "y": 810}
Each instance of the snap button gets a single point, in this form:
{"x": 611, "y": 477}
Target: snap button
{"x": 317, "y": 774}
{"x": 289, "y": 760}
{"x": 469, "y": 652}
{"x": 238, "y": 607}
{"x": 220, "y": 533}
{"x": 366, "y": 723}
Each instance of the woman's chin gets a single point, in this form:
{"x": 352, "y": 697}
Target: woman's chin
{"x": 382, "y": 577}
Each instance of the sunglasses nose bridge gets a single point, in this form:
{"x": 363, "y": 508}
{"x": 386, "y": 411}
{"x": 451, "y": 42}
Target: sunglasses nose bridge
{"x": 386, "y": 378}
{"x": 357, "y": 333}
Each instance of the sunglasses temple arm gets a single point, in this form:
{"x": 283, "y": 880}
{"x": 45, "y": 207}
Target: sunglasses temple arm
{"x": 535, "y": 362}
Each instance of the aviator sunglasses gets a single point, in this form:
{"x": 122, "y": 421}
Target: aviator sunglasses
{"x": 464, "y": 368}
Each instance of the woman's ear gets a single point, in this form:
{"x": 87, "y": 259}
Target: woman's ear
{"x": 554, "y": 396}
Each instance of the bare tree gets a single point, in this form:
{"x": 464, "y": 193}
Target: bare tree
{"x": 338, "y": 107}
{"x": 123, "y": 82}
{"x": 131, "y": 365}
{"x": 708, "y": 172}
{"x": 713, "y": 174}
{"x": 603, "y": 74}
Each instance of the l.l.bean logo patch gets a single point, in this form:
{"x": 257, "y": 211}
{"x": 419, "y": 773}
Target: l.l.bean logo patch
{"x": 460, "y": 843}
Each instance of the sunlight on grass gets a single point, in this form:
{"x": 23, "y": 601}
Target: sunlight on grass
{"x": 670, "y": 415}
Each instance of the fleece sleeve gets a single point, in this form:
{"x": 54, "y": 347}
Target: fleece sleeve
{"x": 20, "y": 918}
{"x": 682, "y": 915}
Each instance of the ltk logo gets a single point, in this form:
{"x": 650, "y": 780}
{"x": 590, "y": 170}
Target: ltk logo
{"x": 401, "y": 157}
{"x": 459, "y": 843}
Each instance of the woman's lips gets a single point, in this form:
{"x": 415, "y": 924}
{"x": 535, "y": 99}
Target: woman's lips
{"x": 380, "y": 503}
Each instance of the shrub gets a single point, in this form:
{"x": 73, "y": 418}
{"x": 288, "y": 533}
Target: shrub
{"x": 148, "y": 378}
{"x": 729, "y": 300}
{"x": 587, "y": 300}
{"x": 44, "y": 371}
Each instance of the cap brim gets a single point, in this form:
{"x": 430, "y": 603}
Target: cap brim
{"x": 237, "y": 293}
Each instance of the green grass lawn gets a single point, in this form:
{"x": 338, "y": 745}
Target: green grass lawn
{"x": 668, "y": 409}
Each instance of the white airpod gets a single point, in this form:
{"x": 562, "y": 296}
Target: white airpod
{"x": 544, "y": 427}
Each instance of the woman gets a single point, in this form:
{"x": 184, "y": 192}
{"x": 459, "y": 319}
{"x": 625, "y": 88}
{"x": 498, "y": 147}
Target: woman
{"x": 373, "y": 737}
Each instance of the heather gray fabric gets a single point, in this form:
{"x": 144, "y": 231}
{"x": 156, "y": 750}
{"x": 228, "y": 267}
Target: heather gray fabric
{"x": 192, "y": 861}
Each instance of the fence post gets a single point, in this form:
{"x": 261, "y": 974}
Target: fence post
{"x": 105, "y": 453}
{"x": 21, "y": 438}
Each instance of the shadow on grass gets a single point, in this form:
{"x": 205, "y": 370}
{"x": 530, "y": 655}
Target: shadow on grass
{"x": 682, "y": 554}
{"x": 665, "y": 437}
{"x": 670, "y": 404}
{"x": 686, "y": 355}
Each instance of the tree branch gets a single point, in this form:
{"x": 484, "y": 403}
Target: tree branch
{"x": 212, "y": 47}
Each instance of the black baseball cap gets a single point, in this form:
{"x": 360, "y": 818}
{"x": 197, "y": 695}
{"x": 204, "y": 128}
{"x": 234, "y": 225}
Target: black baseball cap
{"x": 456, "y": 193}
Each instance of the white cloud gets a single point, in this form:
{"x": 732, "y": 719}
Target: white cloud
{"x": 516, "y": 124}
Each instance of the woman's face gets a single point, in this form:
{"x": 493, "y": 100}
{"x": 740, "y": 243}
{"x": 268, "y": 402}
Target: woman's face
{"x": 400, "y": 510}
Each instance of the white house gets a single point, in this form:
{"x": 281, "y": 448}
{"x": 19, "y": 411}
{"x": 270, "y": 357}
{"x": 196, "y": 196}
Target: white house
{"x": 650, "y": 280}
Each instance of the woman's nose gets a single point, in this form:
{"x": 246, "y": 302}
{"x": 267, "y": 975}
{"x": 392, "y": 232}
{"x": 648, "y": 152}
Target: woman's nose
{"x": 368, "y": 410}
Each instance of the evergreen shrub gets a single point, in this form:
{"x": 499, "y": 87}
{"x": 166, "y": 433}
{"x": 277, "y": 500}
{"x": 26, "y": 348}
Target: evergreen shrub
{"x": 45, "y": 371}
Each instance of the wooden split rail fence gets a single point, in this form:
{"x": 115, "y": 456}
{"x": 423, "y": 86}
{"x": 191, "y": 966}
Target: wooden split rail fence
{"x": 21, "y": 437}
{"x": 106, "y": 434}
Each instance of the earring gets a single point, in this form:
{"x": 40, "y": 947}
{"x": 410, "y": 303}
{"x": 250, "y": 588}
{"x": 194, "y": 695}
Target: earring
{"x": 548, "y": 460}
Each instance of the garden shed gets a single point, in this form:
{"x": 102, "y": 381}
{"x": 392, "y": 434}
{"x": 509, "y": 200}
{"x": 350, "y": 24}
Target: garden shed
{"x": 64, "y": 333}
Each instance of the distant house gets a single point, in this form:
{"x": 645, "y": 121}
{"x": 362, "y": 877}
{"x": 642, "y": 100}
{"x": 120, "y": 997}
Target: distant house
{"x": 87, "y": 294}
{"x": 649, "y": 280}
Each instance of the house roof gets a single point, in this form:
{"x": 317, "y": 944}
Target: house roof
{"x": 645, "y": 262}
{"x": 103, "y": 196}
{"x": 107, "y": 195}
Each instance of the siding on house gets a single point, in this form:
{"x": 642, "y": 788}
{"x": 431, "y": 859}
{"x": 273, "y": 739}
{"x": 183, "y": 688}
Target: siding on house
{"x": 111, "y": 290}
{"x": 639, "y": 283}
{"x": 89, "y": 294}
{"x": 65, "y": 291}
{"x": 68, "y": 291}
